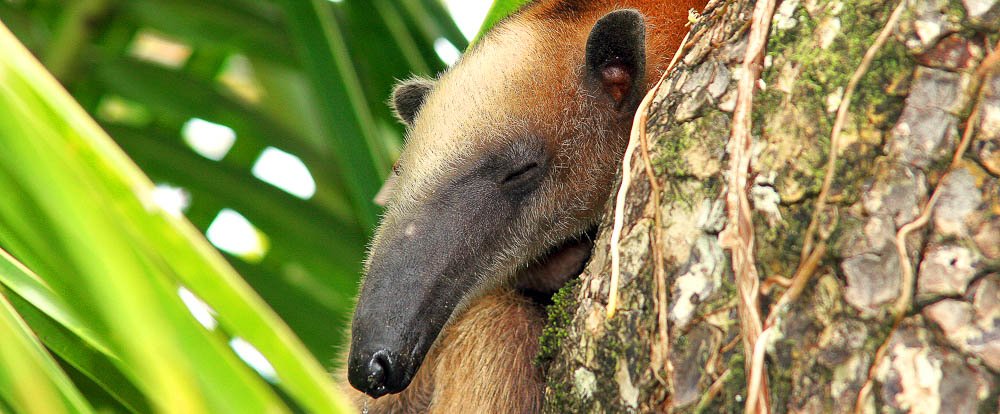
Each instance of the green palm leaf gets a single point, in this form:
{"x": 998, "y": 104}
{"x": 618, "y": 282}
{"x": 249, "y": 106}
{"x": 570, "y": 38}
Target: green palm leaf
{"x": 127, "y": 259}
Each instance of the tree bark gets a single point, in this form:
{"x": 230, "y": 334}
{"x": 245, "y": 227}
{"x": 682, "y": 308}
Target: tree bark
{"x": 856, "y": 333}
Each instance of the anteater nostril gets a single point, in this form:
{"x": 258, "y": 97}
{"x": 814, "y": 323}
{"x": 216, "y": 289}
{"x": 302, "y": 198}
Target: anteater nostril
{"x": 380, "y": 374}
{"x": 379, "y": 368}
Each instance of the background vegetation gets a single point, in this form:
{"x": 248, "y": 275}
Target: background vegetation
{"x": 110, "y": 297}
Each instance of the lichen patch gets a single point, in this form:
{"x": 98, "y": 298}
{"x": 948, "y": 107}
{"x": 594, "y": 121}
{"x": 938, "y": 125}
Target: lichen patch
{"x": 946, "y": 271}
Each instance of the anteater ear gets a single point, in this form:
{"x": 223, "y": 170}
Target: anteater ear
{"x": 616, "y": 57}
{"x": 408, "y": 97}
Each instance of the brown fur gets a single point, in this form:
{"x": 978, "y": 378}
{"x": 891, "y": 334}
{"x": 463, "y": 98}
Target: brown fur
{"x": 482, "y": 360}
{"x": 666, "y": 23}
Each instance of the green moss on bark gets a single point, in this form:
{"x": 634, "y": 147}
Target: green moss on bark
{"x": 796, "y": 114}
{"x": 560, "y": 316}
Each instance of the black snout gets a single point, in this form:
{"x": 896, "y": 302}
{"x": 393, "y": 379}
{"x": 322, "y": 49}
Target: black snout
{"x": 420, "y": 270}
{"x": 378, "y": 373}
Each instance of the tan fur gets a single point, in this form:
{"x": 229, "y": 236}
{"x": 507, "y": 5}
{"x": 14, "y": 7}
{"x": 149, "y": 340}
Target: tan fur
{"x": 482, "y": 363}
{"x": 524, "y": 79}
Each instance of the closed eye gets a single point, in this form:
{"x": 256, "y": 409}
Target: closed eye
{"x": 519, "y": 173}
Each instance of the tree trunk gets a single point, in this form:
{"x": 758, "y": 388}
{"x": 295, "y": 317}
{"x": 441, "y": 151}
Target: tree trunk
{"x": 864, "y": 325}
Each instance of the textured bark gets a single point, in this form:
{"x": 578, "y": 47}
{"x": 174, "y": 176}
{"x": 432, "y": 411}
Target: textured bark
{"x": 905, "y": 122}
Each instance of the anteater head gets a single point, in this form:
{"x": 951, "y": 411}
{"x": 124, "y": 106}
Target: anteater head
{"x": 510, "y": 157}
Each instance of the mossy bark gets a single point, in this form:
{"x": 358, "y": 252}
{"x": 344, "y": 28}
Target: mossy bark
{"x": 905, "y": 122}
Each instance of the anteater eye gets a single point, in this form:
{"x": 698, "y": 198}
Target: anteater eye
{"x": 523, "y": 174}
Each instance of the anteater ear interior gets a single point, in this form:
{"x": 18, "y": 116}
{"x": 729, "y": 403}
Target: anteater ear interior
{"x": 616, "y": 57}
{"x": 408, "y": 96}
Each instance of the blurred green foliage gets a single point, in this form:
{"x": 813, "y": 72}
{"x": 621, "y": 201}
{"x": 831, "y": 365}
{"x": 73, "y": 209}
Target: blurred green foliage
{"x": 94, "y": 301}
